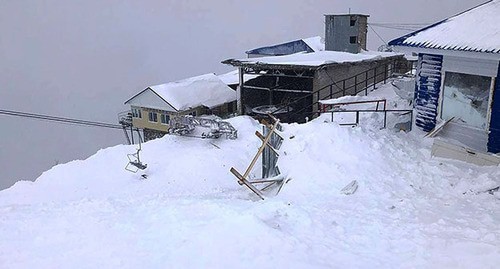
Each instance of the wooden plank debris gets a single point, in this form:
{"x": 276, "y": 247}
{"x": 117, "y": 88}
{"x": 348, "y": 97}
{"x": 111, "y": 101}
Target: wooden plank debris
{"x": 266, "y": 143}
{"x": 439, "y": 128}
{"x": 246, "y": 183}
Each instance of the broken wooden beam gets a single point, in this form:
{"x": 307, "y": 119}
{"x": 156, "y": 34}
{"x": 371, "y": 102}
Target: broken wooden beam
{"x": 246, "y": 183}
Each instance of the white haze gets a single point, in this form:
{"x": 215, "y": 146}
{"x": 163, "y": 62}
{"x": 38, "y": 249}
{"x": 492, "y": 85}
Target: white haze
{"x": 83, "y": 59}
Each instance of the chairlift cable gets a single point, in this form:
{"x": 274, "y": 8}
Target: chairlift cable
{"x": 59, "y": 119}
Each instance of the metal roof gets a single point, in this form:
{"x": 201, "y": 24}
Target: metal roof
{"x": 474, "y": 30}
{"x": 311, "y": 44}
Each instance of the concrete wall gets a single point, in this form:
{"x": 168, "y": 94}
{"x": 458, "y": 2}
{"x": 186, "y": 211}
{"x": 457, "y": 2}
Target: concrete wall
{"x": 338, "y": 31}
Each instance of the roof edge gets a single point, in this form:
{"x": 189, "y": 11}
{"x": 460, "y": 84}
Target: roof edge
{"x": 400, "y": 40}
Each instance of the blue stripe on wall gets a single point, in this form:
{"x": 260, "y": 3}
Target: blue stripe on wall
{"x": 494, "y": 136}
{"x": 427, "y": 88}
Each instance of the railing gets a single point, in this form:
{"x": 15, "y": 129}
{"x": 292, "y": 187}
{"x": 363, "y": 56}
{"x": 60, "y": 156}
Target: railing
{"x": 326, "y": 107}
{"x": 351, "y": 86}
{"x": 335, "y": 108}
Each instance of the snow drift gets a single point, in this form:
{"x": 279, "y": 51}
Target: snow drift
{"x": 410, "y": 211}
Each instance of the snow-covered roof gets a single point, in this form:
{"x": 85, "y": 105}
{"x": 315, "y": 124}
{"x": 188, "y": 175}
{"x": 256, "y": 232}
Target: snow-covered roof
{"x": 475, "y": 30}
{"x": 314, "y": 59}
{"x": 231, "y": 78}
{"x": 315, "y": 43}
{"x": 310, "y": 44}
{"x": 205, "y": 90}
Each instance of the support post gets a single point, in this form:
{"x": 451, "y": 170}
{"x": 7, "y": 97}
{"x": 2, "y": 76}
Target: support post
{"x": 355, "y": 84}
{"x": 239, "y": 89}
{"x": 132, "y": 134}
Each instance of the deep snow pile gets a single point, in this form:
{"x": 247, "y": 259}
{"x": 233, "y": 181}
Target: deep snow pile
{"x": 410, "y": 211}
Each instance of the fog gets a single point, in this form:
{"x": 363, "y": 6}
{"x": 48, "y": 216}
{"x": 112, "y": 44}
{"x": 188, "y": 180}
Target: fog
{"x": 83, "y": 59}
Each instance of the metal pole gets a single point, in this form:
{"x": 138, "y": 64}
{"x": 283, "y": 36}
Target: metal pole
{"x": 385, "y": 73}
{"x": 132, "y": 134}
{"x": 385, "y": 119}
{"x": 355, "y": 84}
{"x": 239, "y": 91}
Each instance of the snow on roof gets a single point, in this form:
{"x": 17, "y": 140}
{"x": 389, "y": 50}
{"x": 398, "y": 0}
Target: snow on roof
{"x": 477, "y": 29}
{"x": 231, "y": 78}
{"x": 313, "y": 59}
{"x": 315, "y": 43}
{"x": 205, "y": 90}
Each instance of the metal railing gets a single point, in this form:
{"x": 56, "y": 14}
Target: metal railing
{"x": 348, "y": 86}
{"x": 335, "y": 108}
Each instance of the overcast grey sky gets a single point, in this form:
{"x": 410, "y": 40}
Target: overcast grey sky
{"x": 83, "y": 59}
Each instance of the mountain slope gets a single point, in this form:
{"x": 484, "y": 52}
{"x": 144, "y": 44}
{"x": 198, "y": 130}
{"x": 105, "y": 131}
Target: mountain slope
{"x": 410, "y": 210}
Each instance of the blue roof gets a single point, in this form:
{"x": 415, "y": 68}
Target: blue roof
{"x": 312, "y": 44}
{"x": 475, "y": 30}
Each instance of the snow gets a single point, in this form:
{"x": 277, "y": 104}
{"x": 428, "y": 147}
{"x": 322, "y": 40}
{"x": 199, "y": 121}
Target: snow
{"x": 205, "y": 90}
{"x": 474, "y": 30}
{"x": 409, "y": 211}
{"x": 232, "y": 77}
{"x": 315, "y": 43}
{"x": 318, "y": 58}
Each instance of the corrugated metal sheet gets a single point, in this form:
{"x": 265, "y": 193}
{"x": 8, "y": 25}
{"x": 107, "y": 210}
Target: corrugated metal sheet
{"x": 494, "y": 136}
{"x": 427, "y": 90}
{"x": 476, "y": 30}
{"x": 282, "y": 49}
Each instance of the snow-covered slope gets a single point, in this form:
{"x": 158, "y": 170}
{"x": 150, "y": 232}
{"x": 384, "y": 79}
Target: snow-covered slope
{"x": 410, "y": 211}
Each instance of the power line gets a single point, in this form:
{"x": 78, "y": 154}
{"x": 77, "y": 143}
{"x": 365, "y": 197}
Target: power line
{"x": 59, "y": 119}
{"x": 398, "y": 27}
{"x": 377, "y": 34}
{"x": 394, "y": 23}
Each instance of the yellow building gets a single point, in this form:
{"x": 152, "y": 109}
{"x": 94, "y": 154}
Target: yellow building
{"x": 152, "y": 108}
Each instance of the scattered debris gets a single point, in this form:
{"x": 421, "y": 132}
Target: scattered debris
{"x": 350, "y": 188}
{"x": 271, "y": 142}
{"x": 185, "y": 125}
{"x": 439, "y": 127}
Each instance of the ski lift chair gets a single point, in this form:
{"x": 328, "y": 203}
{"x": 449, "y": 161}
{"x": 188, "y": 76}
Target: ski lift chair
{"x": 135, "y": 163}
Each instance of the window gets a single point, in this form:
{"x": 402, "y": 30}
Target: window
{"x": 193, "y": 113}
{"x": 353, "y": 21}
{"x": 466, "y": 98}
{"x": 153, "y": 117}
{"x": 164, "y": 118}
{"x": 353, "y": 39}
{"x": 136, "y": 113}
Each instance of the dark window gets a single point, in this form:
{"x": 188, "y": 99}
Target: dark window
{"x": 165, "y": 119}
{"x": 153, "y": 117}
{"x": 353, "y": 39}
{"x": 136, "y": 113}
{"x": 353, "y": 20}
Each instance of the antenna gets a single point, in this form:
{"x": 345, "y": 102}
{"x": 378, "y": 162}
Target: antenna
{"x": 349, "y": 11}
